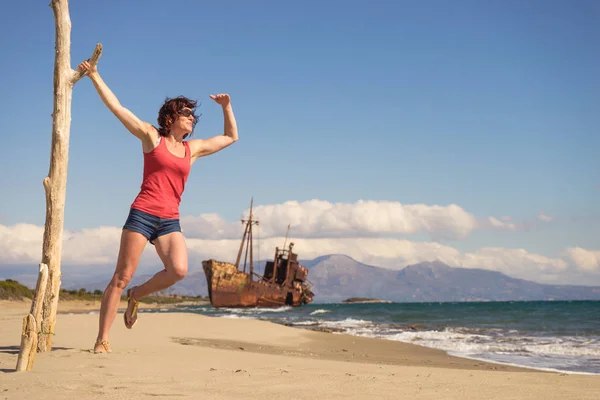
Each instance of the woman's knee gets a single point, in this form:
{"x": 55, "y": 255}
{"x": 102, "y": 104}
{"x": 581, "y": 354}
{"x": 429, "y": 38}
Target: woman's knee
{"x": 120, "y": 281}
{"x": 178, "y": 272}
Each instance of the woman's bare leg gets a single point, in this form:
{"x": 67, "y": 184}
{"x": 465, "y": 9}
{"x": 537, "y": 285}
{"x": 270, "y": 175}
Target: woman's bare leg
{"x": 130, "y": 251}
{"x": 172, "y": 251}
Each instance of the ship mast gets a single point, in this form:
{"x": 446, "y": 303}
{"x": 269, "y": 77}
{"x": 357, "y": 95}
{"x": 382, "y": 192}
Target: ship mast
{"x": 286, "y": 237}
{"x": 247, "y": 238}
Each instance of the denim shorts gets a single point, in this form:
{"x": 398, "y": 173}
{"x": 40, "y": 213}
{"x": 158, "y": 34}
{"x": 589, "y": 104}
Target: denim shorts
{"x": 150, "y": 225}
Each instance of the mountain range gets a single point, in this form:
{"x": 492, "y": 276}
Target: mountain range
{"x": 337, "y": 277}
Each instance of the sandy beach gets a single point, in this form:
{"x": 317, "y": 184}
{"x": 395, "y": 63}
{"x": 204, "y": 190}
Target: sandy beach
{"x": 179, "y": 355}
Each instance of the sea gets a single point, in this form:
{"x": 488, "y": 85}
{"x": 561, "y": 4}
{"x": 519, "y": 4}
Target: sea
{"x": 561, "y": 336}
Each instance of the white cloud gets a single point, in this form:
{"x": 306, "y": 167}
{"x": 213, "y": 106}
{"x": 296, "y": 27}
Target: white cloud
{"x": 210, "y": 226}
{"x": 545, "y": 217}
{"x": 21, "y": 244}
{"x": 585, "y": 260}
{"x": 363, "y": 218}
{"x": 502, "y": 225}
{"x": 91, "y": 246}
{"x": 317, "y": 218}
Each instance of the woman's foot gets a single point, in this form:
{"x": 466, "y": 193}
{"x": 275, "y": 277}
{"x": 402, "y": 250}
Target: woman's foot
{"x": 130, "y": 315}
{"x": 102, "y": 346}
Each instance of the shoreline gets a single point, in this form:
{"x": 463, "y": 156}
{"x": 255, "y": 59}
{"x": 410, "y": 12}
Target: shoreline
{"x": 85, "y": 306}
{"x": 372, "y": 350}
{"x": 332, "y": 331}
{"x": 315, "y": 327}
{"x": 74, "y": 307}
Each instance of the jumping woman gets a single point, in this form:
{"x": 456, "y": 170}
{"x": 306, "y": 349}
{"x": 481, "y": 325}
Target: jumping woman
{"x": 154, "y": 214}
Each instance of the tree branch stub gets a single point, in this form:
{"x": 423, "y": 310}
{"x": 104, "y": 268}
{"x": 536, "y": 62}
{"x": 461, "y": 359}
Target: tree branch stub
{"x": 93, "y": 60}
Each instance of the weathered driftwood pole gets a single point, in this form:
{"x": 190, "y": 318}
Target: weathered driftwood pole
{"x": 55, "y": 185}
{"x": 32, "y": 322}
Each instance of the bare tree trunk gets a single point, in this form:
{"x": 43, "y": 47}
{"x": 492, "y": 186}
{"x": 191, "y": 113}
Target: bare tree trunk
{"x": 38, "y": 298}
{"x": 29, "y": 339}
{"x": 55, "y": 184}
{"x": 31, "y": 324}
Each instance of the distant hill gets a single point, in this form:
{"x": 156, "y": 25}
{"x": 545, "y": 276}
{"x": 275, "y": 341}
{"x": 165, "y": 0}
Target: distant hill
{"x": 339, "y": 277}
{"x": 13, "y": 290}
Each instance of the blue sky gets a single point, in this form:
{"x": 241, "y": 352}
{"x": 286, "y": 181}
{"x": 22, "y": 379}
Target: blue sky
{"x": 492, "y": 106}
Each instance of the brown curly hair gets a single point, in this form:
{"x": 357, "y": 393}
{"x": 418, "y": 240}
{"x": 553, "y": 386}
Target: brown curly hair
{"x": 169, "y": 112}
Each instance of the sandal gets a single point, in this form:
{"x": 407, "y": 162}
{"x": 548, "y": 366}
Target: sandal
{"x": 103, "y": 343}
{"x": 133, "y": 312}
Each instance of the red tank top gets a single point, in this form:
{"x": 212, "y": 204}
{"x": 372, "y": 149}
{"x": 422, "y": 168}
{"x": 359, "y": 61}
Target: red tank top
{"x": 163, "y": 183}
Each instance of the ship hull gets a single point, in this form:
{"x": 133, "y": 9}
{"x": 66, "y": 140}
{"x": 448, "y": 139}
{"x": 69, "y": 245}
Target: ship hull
{"x": 228, "y": 287}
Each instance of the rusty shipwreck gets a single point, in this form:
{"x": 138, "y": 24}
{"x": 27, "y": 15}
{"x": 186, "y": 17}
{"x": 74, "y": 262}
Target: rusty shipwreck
{"x": 284, "y": 281}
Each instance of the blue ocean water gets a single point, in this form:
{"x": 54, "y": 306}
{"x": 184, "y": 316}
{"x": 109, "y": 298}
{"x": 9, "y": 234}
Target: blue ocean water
{"x": 559, "y": 335}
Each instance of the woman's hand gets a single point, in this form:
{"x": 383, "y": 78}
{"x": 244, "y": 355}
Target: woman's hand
{"x": 86, "y": 69}
{"x": 222, "y": 99}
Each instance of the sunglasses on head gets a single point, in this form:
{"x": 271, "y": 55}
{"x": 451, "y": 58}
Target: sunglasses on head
{"x": 186, "y": 112}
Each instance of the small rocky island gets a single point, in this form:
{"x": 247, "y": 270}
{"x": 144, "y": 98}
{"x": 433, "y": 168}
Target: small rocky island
{"x": 361, "y": 300}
